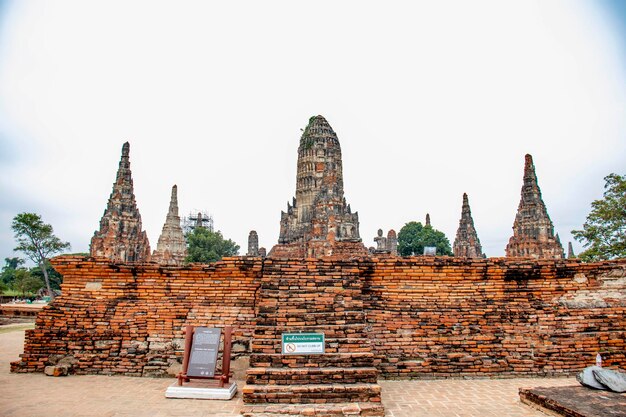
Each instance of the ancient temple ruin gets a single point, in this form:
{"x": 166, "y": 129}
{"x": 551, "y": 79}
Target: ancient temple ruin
{"x": 570, "y": 251}
{"x": 392, "y": 242}
{"x": 253, "y": 244}
{"x": 121, "y": 237}
{"x": 319, "y": 222}
{"x": 378, "y": 315}
{"x": 171, "y": 247}
{"x": 533, "y": 232}
{"x": 466, "y": 243}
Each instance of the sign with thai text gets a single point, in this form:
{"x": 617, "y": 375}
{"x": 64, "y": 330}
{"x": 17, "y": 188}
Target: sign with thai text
{"x": 206, "y": 343}
{"x": 303, "y": 343}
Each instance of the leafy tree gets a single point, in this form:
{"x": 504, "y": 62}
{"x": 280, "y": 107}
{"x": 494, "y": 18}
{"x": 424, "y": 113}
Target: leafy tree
{"x": 25, "y": 282}
{"x": 37, "y": 241}
{"x": 206, "y": 246}
{"x": 55, "y": 278}
{"x": 7, "y": 276}
{"x": 413, "y": 237}
{"x": 604, "y": 231}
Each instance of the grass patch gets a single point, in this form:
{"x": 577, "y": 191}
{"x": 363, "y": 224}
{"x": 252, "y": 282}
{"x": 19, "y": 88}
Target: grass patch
{"x": 21, "y": 327}
{"x": 13, "y": 293}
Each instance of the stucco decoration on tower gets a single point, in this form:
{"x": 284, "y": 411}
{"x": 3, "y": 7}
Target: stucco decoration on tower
{"x": 253, "y": 244}
{"x": 533, "y": 231}
{"x": 466, "y": 243}
{"x": 171, "y": 247}
{"x": 121, "y": 237}
{"x": 319, "y": 222}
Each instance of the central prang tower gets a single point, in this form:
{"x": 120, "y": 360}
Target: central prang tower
{"x": 319, "y": 222}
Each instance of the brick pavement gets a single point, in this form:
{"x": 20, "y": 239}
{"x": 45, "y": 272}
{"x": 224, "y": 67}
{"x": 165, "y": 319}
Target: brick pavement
{"x": 34, "y": 395}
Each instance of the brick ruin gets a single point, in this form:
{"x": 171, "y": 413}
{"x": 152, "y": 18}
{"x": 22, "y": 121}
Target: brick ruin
{"x": 253, "y": 244}
{"x": 382, "y": 315}
{"x": 570, "y": 251}
{"x": 418, "y": 317}
{"x": 319, "y": 222}
{"x": 533, "y": 232}
{"x": 172, "y": 246}
{"x": 121, "y": 237}
{"x": 466, "y": 244}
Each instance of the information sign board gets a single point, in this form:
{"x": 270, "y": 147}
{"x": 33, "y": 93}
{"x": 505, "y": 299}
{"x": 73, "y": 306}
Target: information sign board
{"x": 206, "y": 343}
{"x": 303, "y": 343}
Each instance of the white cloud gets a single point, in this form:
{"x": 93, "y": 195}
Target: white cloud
{"x": 429, "y": 100}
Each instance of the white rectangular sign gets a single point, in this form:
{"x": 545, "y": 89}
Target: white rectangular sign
{"x": 303, "y": 343}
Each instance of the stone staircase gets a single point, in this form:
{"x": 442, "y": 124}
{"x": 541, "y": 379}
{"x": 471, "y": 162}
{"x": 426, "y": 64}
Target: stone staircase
{"x": 315, "y": 297}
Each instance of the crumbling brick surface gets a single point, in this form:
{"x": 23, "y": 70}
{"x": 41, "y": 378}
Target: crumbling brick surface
{"x": 441, "y": 317}
{"x": 130, "y": 319}
{"x": 422, "y": 316}
{"x": 533, "y": 231}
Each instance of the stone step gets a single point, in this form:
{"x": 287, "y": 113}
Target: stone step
{"x": 301, "y": 282}
{"x": 312, "y": 305}
{"x": 310, "y": 393}
{"x": 329, "y": 330}
{"x": 303, "y": 295}
{"x": 276, "y": 360}
{"x": 333, "y": 345}
{"x": 305, "y": 321}
{"x": 326, "y": 293}
{"x": 311, "y": 375}
{"x": 329, "y": 310}
{"x": 317, "y": 410}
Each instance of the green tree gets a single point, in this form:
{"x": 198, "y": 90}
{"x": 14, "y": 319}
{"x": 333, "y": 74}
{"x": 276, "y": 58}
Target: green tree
{"x": 604, "y": 231}
{"x": 37, "y": 241}
{"x": 413, "y": 237}
{"x": 26, "y": 283}
{"x": 55, "y": 278}
{"x": 206, "y": 246}
{"x": 7, "y": 276}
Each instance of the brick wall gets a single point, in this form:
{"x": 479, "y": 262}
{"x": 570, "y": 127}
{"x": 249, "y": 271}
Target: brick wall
{"x": 123, "y": 319}
{"x": 425, "y": 316}
{"x": 439, "y": 317}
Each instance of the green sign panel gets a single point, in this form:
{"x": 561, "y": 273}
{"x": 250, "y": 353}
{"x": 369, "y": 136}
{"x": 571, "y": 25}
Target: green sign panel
{"x": 303, "y": 343}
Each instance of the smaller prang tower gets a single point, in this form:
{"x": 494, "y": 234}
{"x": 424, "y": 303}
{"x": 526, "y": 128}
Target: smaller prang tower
{"x": 121, "y": 238}
{"x": 171, "y": 247}
{"x": 533, "y": 232}
{"x": 253, "y": 244}
{"x": 319, "y": 222}
{"x": 466, "y": 243}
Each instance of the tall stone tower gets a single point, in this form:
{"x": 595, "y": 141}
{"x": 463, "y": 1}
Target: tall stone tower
{"x": 253, "y": 243}
{"x": 466, "y": 243}
{"x": 171, "y": 247}
{"x": 533, "y": 232}
{"x": 121, "y": 237}
{"x": 319, "y": 222}
{"x": 570, "y": 251}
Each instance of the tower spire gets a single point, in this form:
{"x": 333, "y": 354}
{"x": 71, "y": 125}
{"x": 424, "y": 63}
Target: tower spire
{"x": 570, "y": 251}
{"x": 466, "y": 243}
{"x": 171, "y": 247}
{"x": 533, "y": 231}
{"x": 121, "y": 237}
{"x": 253, "y": 243}
{"x": 319, "y": 221}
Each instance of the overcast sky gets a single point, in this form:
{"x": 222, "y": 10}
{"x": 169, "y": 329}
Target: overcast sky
{"x": 428, "y": 99}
